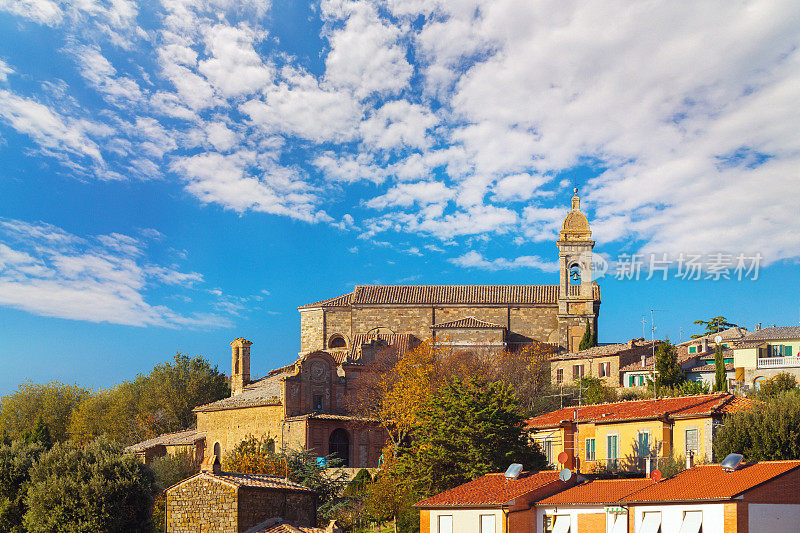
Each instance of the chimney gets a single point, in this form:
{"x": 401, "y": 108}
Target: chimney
{"x": 690, "y": 460}
{"x": 704, "y": 345}
{"x": 240, "y": 365}
{"x": 758, "y": 327}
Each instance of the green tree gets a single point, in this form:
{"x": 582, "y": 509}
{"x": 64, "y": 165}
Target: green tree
{"x": 594, "y": 390}
{"x": 765, "y": 432}
{"x": 39, "y": 434}
{"x": 713, "y": 325}
{"x": 16, "y": 461}
{"x": 690, "y": 388}
{"x": 468, "y": 429}
{"x": 586, "y": 340}
{"x": 87, "y": 489}
{"x": 668, "y": 371}
{"x": 720, "y": 379}
{"x": 53, "y": 403}
{"x": 171, "y": 469}
{"x": 777, "y": 385}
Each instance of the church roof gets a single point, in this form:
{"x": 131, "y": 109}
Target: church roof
{"x": 184, "y": 437}
{"x": 469, "y": 322}
{"x": 265, "y": 391}
{"x": 449, "y": 294}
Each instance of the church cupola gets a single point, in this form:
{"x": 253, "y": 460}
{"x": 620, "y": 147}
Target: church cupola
{"x": 240, "y": 365}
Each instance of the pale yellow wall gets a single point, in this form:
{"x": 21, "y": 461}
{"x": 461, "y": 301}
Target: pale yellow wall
{"x": 745, "y": 357}
{"x": 231, "y": 426}
{"x": 627, "y": 433}
{"x": 556, "y": 435}
{"x": 704, "y": 437}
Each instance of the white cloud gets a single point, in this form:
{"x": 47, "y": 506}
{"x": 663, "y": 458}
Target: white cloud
{"x": 517, "y": 187}
{"x": 5, "y": 70}
{"x": 473, "y": 259}
{"x": 41, "y": 11}
{"x": 365, "y": 55}
{"x": 408, "y": 194}
{"x": 102, "y": 75}
{"x": 235, "y": 69}
{"x": 397, "y": 124}
{"x": 48, "y": 272}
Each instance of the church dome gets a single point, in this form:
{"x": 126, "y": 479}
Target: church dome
{"x": 576, "y": 225}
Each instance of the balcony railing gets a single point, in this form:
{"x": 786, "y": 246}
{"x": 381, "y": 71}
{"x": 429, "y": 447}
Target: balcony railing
{"x": 779, "y": 362}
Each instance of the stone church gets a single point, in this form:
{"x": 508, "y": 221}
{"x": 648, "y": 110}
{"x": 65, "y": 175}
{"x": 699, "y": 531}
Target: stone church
{"x": 306, "y": 404}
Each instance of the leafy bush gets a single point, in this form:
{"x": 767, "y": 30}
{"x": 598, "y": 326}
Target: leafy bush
{"x": 777, "y": 385}
{"x": 90, "y": 489}
{"x": 171, "y": 469}
{"x": 594, "y": 391}
{"x": 16, "y": 460}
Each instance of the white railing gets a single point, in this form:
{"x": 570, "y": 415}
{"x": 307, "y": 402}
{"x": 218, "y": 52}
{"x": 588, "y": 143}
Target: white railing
{"x": 778, "y": 362}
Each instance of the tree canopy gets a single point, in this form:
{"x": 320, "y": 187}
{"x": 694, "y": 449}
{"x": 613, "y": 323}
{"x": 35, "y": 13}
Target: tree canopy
{"x": 713, "y": 325}
{"x": 668, "y": 372}
{"x": 720, "y": 378}
{"x": 52, "y": 403}
{"x": 16, "y": 460}
{"x": 770, "y": 431}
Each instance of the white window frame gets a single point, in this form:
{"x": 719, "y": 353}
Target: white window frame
{"x": 439, "y": 523}
{"x": 586, "y": 449}
{"x": 493, "y": 525}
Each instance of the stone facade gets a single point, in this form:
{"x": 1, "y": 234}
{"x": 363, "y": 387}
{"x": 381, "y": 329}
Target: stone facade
{"x": 214, "y": 504}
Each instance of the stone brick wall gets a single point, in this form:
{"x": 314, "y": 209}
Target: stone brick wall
{"x": 414, "y": 320}
{"x": 257, "y": 505}
{"x": 230, "y": 427}
{"x": 470, "y": 337}
{"x": 366, "y": 440}
{"x": 337, "y": 320}
{"x": 202, "y": 504}
{"x": 311, "y": 330}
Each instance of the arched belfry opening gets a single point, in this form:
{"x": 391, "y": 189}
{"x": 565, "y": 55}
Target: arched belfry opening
{"x": 337, "y": 341}
{"x": 339, "y": 445}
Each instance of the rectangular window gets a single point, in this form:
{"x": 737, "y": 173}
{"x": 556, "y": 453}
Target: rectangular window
{"x": 577, "y": 372}
{"x": 590, "y": 449}
{"x": 317, "y": 402}
{"x": 692, "y": 522}
{"x": 605, "y": 369}
{"x": 632, "y": 381}
{"x": 776, "y": 350}
{"x": 651, "y": 523}
{"x": 641, "y": 380}
{"x": 692, "y": 349}
{"x": 560, "y": 376}
{"x": 691, "y": 441}
{"x": 445, "y": 524}
{"x": 612, "y": 450}
{"x": 643, "y": 443}
{"x": 487, "y": 523}
{"x": 547, "y": 449}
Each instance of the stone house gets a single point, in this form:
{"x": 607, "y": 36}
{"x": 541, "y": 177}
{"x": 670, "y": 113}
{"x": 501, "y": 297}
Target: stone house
{"x": 225, "y": 502}
{"x": 603, "y": 362}
{"x": 188, "y": 441}
{"x": 623, "y": 435}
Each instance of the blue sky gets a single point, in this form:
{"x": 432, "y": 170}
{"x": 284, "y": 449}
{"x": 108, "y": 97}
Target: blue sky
{"x": 178, "y": 174}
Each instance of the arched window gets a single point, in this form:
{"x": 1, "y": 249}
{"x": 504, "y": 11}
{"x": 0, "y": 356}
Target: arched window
{"x": 575, "y": 275}
{"x": 217, "y": 451}
{"x": 339, "y": 445}
{"x": 337, "y": 341}
{"x": 760, "y": 380}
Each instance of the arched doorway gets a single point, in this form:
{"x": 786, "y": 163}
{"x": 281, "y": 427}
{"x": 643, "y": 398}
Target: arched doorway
{"x": 217, "y": 451}
{"x": 339, "y": 445}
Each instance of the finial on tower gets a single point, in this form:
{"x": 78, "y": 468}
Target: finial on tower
{"x": 576, "y": 202}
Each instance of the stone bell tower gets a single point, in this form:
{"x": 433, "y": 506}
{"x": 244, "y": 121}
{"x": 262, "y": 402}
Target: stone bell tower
{"x": 578, "y": 296}
{"x": 240, "y": 364}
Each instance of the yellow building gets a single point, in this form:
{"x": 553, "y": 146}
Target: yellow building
{"x": 766, "y": 352}
{"x": 623, "y": 435}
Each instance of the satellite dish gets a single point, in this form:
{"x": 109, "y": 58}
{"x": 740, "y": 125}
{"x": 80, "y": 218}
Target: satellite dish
{"x": 565, "y": 474}
{"x": 562, "y": 457}
{"x": 655, "y": 475}
{"x": 718, "y": 339}
{"x": 513, "y": 471}
{"x": 731, "y": 462}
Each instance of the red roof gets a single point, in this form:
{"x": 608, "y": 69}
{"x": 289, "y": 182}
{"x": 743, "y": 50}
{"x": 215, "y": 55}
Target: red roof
{"x": 493, "y": 490}
{"x": 682, "y": 406}
{"x": 711, "y": 482}
{"x": 597, "y": 492}
{"x": 469, "y": 322}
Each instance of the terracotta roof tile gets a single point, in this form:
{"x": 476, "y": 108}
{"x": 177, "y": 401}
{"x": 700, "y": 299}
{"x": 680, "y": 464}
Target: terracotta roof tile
{"x": 774, "y": 333}
{"x": 262, "y": 481}
{"x": 709, "y": 368}
{"x": 597, "y": 492}
{"x": 469, "y": 322}
{"x": 449, "y": 294}
{"x": 493, "y": 490}
{"x": 682, "y": 406}
{"x": 605, "y": 350}
{"x": 711, "y": 482}
{"x": 402, "y": 342}
{"x": 265, "y": 391}
{"x": 179, "y": 438}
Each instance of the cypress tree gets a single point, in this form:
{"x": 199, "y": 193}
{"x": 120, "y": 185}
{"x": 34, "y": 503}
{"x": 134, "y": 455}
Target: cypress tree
{"x": 720, "y": 379}
{"x": 586, "y": 340}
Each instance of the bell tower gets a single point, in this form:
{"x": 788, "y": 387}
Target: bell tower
{"x": 578, "y": 295}
{"x": 240, "y": 365}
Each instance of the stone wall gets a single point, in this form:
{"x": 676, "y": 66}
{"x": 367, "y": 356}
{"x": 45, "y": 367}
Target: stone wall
{"x": 231, "y": 426}
{"x": 202, "y": 505}
{"x": 311, "y": 330}
{"x": 257, "y": 505}
{"x": 366, "y": 440}
{"x": 471, "y": 337}
{"x": 337, "y": 320}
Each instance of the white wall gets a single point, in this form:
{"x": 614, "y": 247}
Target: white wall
{"x": 672, "y": 516}
{"x": 466, "y": 520}
{"x": 775, "y": 518}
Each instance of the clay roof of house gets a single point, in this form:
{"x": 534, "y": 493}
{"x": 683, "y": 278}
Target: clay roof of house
{"x": 493, "y": 490}
{"x": 736, "y": 332}
{"x": 402, "y": 342}
{"x": 681, "y": 407}
{"x": 257, "y": 481}
{"x": 449, "y": 294}
{"x": 684, "y": 357}
{"x": 469, "y": 322}
{"x": 277, "y": 525}
{"x": 711, "y": 482}
{"x": 265, "y": 391}
{"x": 773, "y": 333}
{"x": 597, "y": 492}
{"x": 604, "y": 350}
{"x": 178, "y": 438}
{"x": 710, "y": 368}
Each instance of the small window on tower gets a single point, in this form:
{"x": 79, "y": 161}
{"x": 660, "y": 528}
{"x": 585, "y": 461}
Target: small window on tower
{"x": 318, "y": 402}
{"x": 575, "y": 275}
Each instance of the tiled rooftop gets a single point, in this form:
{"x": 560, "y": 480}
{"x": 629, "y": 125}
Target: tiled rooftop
{"x": 733, "y": 333}
{"x": 265, "y": 391}
{"x": 683, "y": 406}
{"x": 449, "y": 294}
{"x": 179, "y": 438}
{"x": 469, "y": 322}
{"x": 634, "y": 346}
{"x": 711, "y": 482}
{"x": 262, "y": 481}
{"x": 597, "y": 492}
{"x": 773, "y": 333}
{"x": 493, "y": 489}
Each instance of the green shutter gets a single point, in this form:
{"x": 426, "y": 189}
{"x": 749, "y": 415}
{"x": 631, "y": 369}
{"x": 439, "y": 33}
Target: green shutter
{"x": 692, "y": 349}
{"x": 632, "y": 383}
{"x": 787, "y": 351}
